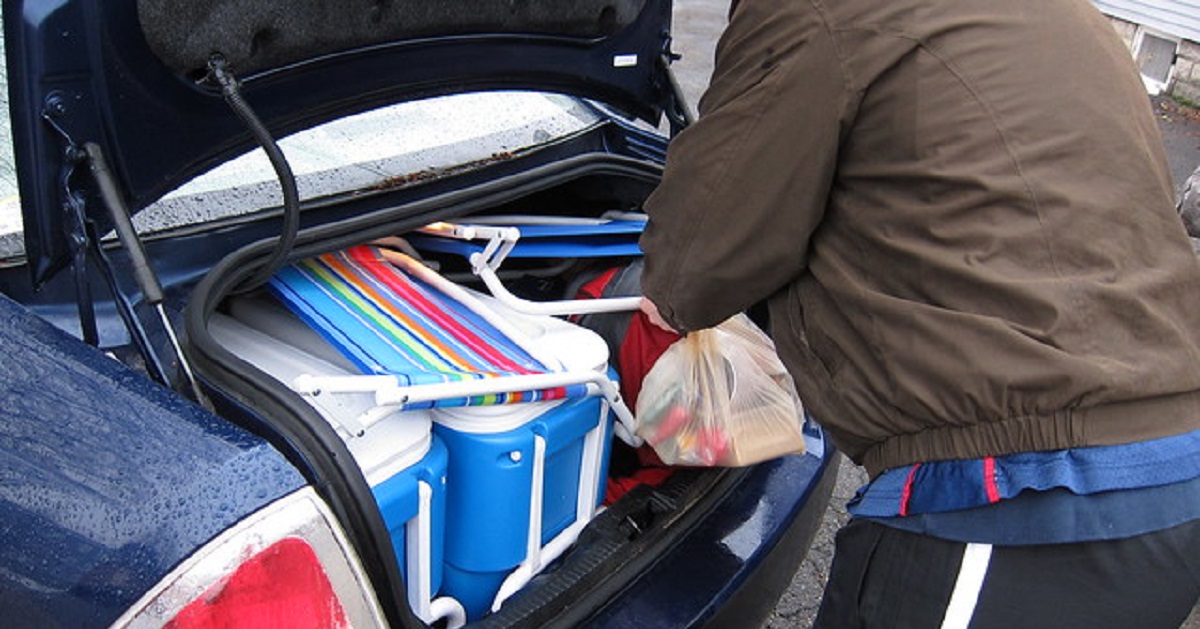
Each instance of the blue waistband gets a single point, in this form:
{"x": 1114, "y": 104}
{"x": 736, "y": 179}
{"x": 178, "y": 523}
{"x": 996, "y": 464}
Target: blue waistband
{"x": 946, "y": 486}
{"x": 1058, "y": 516}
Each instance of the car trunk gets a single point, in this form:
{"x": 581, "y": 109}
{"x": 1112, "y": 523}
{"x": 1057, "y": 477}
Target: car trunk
{"x": 117, "y": 104}
{"x": 243, "y": 352}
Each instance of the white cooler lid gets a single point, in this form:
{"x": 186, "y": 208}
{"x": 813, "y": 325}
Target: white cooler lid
{"x": 575, "y": 347}
{"x": 396, "y": 443}
{"x": 391, "y": 444}
{"x": 492, "y": 418}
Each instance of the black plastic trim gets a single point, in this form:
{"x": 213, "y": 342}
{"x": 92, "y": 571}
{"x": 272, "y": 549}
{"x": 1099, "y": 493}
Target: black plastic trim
{"x": 613, "y": 551}
{"x": 299, "y": 433}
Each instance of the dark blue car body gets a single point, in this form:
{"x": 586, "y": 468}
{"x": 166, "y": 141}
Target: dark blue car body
{"x": 112, "y": 476}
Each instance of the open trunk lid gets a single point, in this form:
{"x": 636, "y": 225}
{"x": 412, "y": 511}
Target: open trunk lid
{"x": 132, "y": 77}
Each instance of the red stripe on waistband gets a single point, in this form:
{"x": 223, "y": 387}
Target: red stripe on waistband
{"x": 989, "y": 479}
{"x": 907, "y": 493}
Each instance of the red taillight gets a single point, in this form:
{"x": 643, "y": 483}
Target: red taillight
{"x": 282, "y": 586}
{"x": 287, "y": 565}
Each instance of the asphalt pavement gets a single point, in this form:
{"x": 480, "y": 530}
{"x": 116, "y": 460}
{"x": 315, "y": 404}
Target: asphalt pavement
{"x": 1180, "y": 128}
{"x": 697, "y": 26}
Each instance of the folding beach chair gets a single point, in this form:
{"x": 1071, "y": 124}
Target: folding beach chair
{"x": 429, "y": 341}
{"x": 488, "y": 243}
{"x": 422, "y": 341}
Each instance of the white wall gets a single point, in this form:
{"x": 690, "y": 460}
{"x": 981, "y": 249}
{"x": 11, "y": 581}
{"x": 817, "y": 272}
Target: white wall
{"x": 1180, "y": 18}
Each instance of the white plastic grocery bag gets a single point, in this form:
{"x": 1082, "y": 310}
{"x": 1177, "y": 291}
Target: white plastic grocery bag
{"x": 720, "y": 397}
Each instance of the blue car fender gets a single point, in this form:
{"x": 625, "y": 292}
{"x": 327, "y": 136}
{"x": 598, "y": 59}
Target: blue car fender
{"x": 107, "y": 480}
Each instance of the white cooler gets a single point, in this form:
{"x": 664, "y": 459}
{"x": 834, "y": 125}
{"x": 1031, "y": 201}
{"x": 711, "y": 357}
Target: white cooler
{"x": 402, "y": 460}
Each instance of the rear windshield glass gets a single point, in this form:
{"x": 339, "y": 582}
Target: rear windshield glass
{"x": 404, "y": 142}
{"x": 398, "y": 143}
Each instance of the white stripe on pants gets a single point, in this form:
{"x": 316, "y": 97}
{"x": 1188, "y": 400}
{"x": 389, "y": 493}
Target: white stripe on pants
{"x": 967, "y": 586}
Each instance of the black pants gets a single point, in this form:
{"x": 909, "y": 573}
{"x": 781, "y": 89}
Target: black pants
{"x": 888, "y": 578}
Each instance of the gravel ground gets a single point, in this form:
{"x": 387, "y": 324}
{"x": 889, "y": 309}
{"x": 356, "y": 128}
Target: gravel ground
{"x": 798, "y": 605}
{"x": 1180, "y": 128}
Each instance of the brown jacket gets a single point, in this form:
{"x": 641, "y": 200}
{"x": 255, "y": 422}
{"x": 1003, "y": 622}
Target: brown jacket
{"x": 960, "y": 213}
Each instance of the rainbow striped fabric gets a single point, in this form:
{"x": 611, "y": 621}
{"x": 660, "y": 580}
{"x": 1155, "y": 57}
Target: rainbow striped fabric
{"x": 388, "y": 322}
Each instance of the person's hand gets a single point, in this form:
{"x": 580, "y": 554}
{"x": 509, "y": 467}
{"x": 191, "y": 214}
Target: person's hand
{"x": 651, "y": 312}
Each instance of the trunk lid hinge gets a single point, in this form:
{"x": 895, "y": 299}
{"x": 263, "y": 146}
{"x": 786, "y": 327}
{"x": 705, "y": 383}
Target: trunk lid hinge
{"x": 74, "y": 222}
{"x": 143, "y": 271}
{"x": 83, "y": 240}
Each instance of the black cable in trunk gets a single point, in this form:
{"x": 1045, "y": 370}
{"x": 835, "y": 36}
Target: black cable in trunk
{"x": 231, "y": 90}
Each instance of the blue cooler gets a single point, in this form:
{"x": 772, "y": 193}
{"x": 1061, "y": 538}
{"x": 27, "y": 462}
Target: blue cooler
{"x": 405, "y": 465}
{"x": 543, "y": 462}
{"x": 512, "y": 464}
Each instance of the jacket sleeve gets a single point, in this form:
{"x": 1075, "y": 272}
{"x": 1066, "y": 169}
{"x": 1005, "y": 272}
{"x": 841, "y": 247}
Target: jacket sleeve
{"x": 745, "y": 186}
